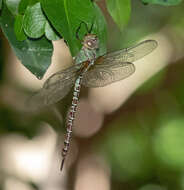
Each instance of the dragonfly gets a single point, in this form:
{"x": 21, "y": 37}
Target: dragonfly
{"x": 90, "y": 71}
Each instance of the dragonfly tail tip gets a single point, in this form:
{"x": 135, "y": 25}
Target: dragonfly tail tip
{"x": 62, "y": 164}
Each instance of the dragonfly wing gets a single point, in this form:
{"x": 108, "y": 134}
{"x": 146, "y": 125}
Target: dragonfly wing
{"x": 49, "y": 96}
{"x": 101, "y": 75}
{"x": 55, "y": 87}
{"x": 61, "y": 77}
{"x": 129, "y": 54}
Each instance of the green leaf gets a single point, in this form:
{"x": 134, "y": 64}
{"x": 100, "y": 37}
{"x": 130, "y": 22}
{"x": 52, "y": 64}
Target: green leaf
{"x": 24, "y": 4}
{"x": 12, "y": 5}
{"x": 163, "y": 2}
{"x": 1, "y": 1}
{"x": 18, "y": 28}
{"x": 35, "y": 55}
{"x": 120, "y": 11}
{"x": 50, "y": 33}
{"x": 100, "y": 28}
{"x": 34, "y": 21}
{"x": 66, "y": 16}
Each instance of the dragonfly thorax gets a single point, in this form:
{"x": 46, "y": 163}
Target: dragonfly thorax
{"x": 104, "y": 70}
{"x": 91, "y": 42}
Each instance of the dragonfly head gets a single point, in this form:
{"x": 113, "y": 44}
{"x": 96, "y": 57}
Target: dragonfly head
{"x": 91, "y": 42}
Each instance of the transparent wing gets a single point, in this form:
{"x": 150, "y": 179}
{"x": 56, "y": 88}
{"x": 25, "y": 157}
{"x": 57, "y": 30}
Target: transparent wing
{"x": 49, "y": 96}
{"x": 129, "y": 54}
{"x": 102, "y": 75}
{"x": 56, "y": 87}
{"x": 62, "y": 77}
{"x": 116, "y": 66}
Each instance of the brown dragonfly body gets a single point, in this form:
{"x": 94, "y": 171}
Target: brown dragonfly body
{"x": 93, "y": 72}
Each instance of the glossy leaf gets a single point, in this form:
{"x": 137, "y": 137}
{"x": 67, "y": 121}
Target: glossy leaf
{"x": 35, "y": 55}
{"x": 163, "y": 2}
{"x": 120, "y": 11}
{"x": 18, "y": 28}
{"x": 34, "y": 21}
{"x": 66, "y": 16}
{"x": 12, "y": 5}
{"x": 50, "y": 33}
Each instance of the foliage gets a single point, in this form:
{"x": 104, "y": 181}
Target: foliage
{"x": 120, "y": 11}
{"x": 142, "y": 141}
{"x": 38, "y": 22}
{"x": 163, "y": 2}
{"x": 33, "y": 21}
{"x": 34, "y": 54}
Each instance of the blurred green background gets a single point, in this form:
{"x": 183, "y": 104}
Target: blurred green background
{"x": 132, "y": 141}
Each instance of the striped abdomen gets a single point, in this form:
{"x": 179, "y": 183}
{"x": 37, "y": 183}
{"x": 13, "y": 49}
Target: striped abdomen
{"x": 71, "y": 117}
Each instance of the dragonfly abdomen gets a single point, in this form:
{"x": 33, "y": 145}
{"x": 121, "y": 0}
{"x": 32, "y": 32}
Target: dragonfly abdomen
{"x": 71, "y": 117}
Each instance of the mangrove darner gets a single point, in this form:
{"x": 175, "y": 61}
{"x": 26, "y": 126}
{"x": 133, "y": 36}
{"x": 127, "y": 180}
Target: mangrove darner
{"x": 90, "y": 71}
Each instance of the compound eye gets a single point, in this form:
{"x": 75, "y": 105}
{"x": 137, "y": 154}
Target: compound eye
{"x": 89, "y": 43}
